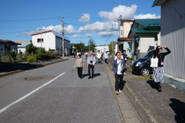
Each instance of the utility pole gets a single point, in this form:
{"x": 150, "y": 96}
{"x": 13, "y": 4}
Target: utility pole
{"x": 112, "y": 39}
{"x": 63, "y": 36}
{"x": 89, "y": 45}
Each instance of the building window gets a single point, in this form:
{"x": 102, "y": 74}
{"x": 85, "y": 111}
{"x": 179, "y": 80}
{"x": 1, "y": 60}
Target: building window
{"x": 40, "y": 40}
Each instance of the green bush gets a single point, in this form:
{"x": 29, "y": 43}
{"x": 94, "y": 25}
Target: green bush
{"x": 40, "y": 51}
{"x": 18, "y": 58}
{"x": 31, "y": 49}
{"x": 20, "y": 54}
{"x": 31, "y": 58}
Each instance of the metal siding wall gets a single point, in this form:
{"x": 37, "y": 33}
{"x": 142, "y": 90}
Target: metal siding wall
{"x": 173, "y": 36}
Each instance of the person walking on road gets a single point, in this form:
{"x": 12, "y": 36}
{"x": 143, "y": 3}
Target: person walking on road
{"x": 116, "y": 56}
{"x": 106, "y": 56}
{"x": 99, "y": 57}
{"x": 102, "y": 56}
{"x": 118, "y": 70}
{"x": 80, "y": 65}
{"x": 91, "y": 60}
{"x": 125, "y": 57}
{"x": 75, "y": 55}
{"x": 159, "y": 71}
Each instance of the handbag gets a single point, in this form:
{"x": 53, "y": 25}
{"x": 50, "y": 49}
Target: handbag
{"x": 154, "y": 62}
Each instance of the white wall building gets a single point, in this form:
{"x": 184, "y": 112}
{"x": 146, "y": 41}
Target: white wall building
{"x": 24, "y": 45}
{"x": 173, "y": 36}
{"x": 102, "y": 48}
{"x": 124, "y": 43}
{"x": 51, "y": 41}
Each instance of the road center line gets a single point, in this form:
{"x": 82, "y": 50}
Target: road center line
{"x": 27, "y": 95}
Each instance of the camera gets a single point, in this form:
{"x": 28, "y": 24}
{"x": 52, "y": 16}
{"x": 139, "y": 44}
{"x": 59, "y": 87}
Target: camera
{"x": 91, "y": 62}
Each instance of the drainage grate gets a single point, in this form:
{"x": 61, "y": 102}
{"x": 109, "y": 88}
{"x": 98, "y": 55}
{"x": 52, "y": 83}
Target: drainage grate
{"x": 38, "y": 78}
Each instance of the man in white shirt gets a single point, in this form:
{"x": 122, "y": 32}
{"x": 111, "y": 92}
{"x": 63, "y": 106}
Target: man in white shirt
{"x": 99, "y": 57}
{"x": 90, "y": 64}
{"x": 116, "y": 56}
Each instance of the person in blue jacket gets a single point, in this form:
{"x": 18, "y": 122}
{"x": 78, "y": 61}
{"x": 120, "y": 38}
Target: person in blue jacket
{"x": 118, "y": 70}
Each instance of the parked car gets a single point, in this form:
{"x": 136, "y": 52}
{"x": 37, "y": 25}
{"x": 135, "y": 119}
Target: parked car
{"x": 142, "y": 66}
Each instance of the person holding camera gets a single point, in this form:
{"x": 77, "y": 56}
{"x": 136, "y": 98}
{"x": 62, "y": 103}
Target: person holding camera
{"x": 159, "y": 71}
{"x": 91, "y": 60}
{"x": 118, "y": 70}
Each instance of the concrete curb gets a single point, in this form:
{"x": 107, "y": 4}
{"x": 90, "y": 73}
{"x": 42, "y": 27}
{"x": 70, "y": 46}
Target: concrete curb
{"x": 38, "y": 66}
{"x": 117, "y": 105}
{"x": 143, "y": 108}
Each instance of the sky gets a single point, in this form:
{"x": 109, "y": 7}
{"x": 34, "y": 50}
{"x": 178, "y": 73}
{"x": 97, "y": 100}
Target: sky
{"x": 84, "y": 19}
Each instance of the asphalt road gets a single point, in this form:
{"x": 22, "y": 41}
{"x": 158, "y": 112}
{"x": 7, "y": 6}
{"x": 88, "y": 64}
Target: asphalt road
{"x": 54, "y": 94}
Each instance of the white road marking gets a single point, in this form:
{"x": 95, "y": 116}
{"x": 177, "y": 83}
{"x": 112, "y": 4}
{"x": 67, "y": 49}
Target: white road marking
{"x": 27, "y": 95}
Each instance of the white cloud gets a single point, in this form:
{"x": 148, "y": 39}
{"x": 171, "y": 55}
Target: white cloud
{"x": 146, "y": 16}
{"x": 85, "y": 18}
{"x": 99, "y": 26}
{"x": 126, "y": 12}
{"x": 75, "y": 36}
{"x": 28, "y": 32}
{"x": 107, "y": 33}
{"x": 88, "y": 35}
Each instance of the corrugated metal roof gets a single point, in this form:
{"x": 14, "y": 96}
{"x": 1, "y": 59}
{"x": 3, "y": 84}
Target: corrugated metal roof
{"x": 149, "y": 22}
{"x": 158, "y": 2}
{"x": 144, "y": 31}
{"x": 60, "y": 35}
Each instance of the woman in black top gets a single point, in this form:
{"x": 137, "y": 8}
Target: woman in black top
{"x": 159, "y": 71}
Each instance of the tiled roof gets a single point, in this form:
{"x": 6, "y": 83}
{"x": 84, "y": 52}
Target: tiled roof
{"x": 149, "y": 22}
{"x": 8, "y": 41}
{"x": 55, "y": 33}
{"x": 124, "y": 39}
{"x": 144, "y": 31}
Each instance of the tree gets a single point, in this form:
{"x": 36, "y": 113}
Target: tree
{"x": 31, "y": 49}
{"x": 110, "y": 47}
{"x": 79, "y": 47}
{"x": 92, "y": 44}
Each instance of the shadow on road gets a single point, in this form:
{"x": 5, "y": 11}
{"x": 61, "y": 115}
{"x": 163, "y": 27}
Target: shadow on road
{"x": 96, "y": 75}
{"x": 8, "y": 67}
{"x": 179, "y": 109}
{"x": 152, "y": 83}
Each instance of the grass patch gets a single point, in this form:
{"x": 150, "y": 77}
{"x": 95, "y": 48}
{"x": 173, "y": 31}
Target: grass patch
{"x": 139, "y": 78}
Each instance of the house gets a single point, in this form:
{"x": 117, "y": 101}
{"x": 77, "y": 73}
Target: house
{"x": 101, "y": 48}
{"x": 123, "y": 42}
{"x": 7, "y": 45}
{"x": 145, "y": 34}
{"x": 173, "y": 36}
{"x": 51, "y": 41}
{"x": 24, "y": 45}
{"x": 72, "y": 48}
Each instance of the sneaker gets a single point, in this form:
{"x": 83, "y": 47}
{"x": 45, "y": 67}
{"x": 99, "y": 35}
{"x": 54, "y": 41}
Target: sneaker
{"x": 89, "y": 77}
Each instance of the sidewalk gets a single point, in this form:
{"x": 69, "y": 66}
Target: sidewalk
{"x": 152, "y": 106}
{"x": 127, "y": 112}
{"x": 169, "y": 104}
